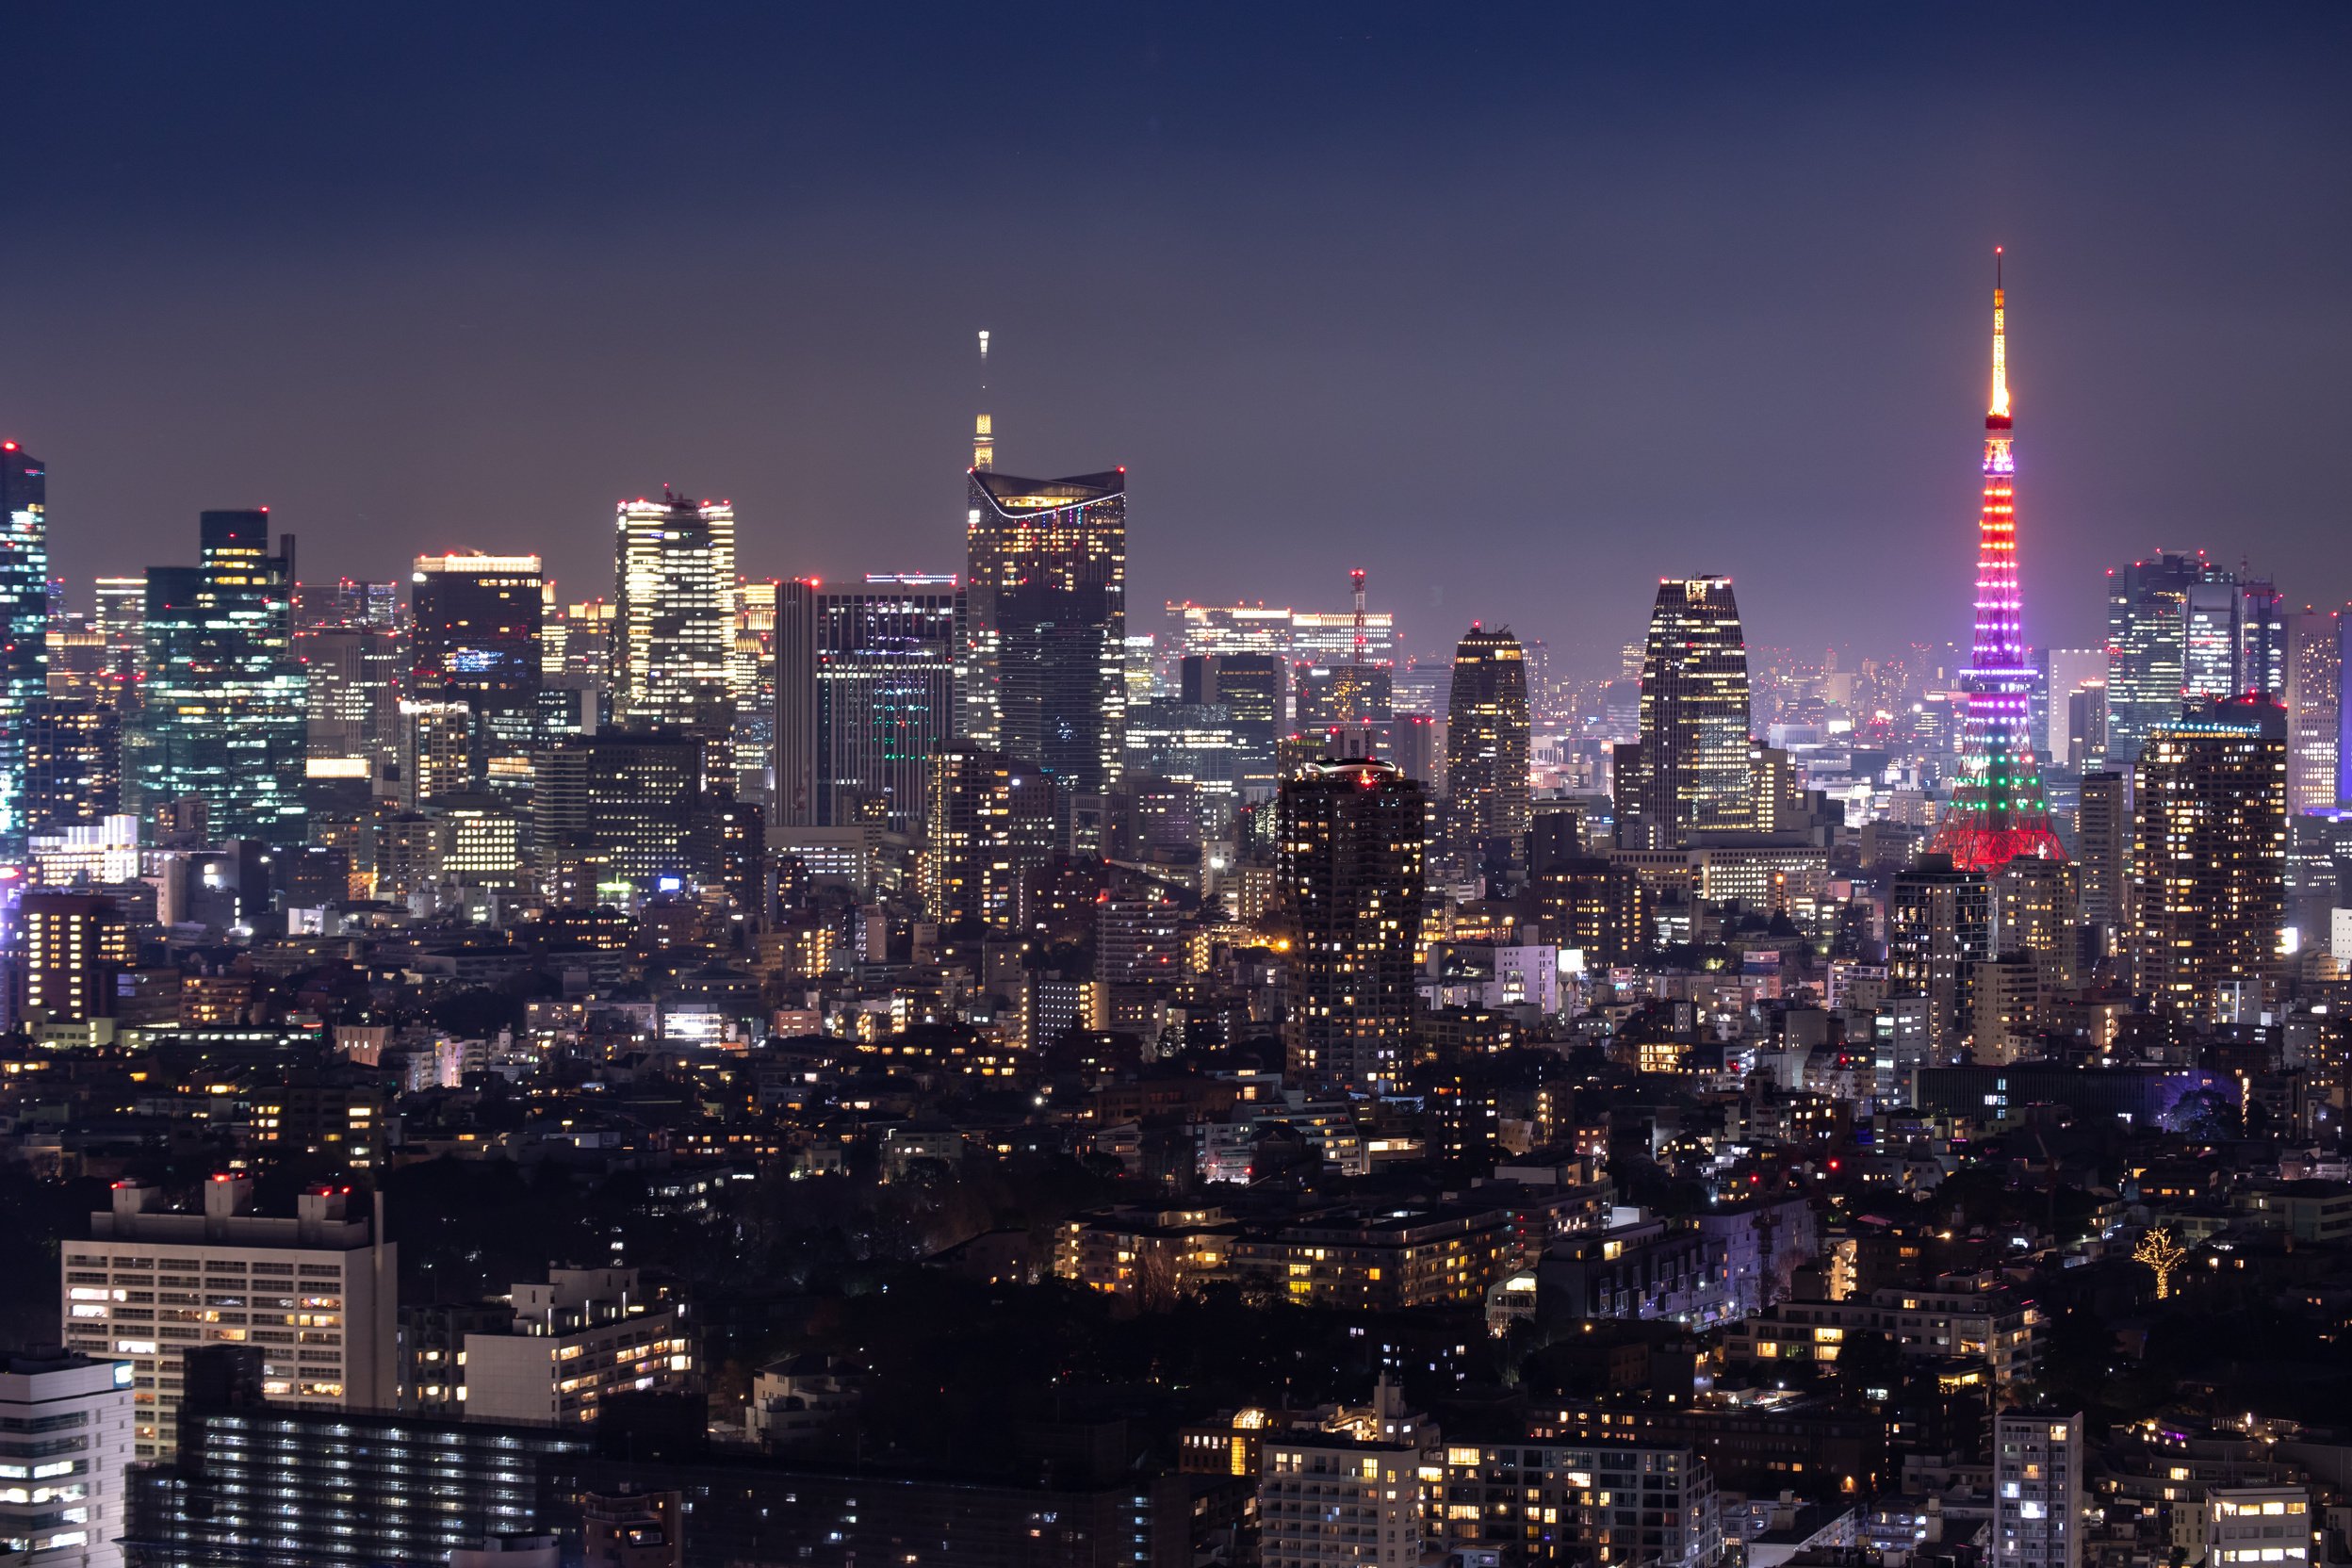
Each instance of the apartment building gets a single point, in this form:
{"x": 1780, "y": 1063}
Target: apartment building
{"x": 574, "y": 1342}
{"x": 67, "y": 1420}
{"x": 315, "y": 1293}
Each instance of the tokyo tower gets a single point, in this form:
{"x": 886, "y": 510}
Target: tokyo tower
{"x": 1998, "y": 813}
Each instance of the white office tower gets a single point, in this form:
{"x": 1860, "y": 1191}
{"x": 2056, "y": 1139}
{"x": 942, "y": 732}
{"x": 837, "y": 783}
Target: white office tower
{"x": 69, "y": 1423}
{"x": 2037, "y": 1490}
{"x": 315, "y": 1293}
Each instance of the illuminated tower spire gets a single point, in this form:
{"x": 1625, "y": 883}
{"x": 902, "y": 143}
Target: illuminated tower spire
{"x": 983, "y": 433}
{"x": 1998, "y": 811}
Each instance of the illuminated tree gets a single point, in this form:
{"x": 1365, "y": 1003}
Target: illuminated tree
{"x": 2163, "y": 1255}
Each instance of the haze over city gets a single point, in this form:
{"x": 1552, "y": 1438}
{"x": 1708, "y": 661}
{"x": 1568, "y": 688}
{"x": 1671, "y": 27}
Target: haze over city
{"x": 1489, "y": 305}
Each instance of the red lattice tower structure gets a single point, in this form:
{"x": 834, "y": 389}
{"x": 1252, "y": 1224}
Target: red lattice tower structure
{"x": 1998, "y": 811}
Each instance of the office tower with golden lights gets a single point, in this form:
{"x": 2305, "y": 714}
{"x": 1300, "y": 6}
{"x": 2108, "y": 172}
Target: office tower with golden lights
{"x": 672, "y": 643}
{"x": 224, "y": 709}
{"x": 475, "y": 623}
{"x": 2209, "y": 859}
{"x": 1487, "y": 740}
{"x": 1689, "y": 771}
{"x": 72, "y": 762}
{"x": 1351, "y": 836}
{"x": 990, "y": 821}
{"x": 2104, "y": 833}
{"x": 1046, "y": 627}
{"x": 23, "y": 623}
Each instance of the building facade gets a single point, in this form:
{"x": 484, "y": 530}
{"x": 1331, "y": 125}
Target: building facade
{"x": 1690, "y": 772}
{"x": 312, "y": 1292}
{"x": 1351, "y": 839}
{"x": 23, "y": 623}
{"x": 1487, "y": 738}
{"x": 1045, "y": 646}
{"x": 672, "y": 643}
{"x": 224, "y": 711}
{"x": 70, "y": 1415}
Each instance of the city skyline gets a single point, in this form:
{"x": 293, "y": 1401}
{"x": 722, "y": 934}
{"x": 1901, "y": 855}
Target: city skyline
{"x": 1587, "y": 334}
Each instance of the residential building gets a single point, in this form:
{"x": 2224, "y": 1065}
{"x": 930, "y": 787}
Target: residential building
{"x": 1350, "y": 836}
{"x": 575, "y": 1340}
{"x": 68, "y": 1417}
{"x": 314, "y": 1293}
{"x": 1689, "y": 774}
{"x": 2038, "y": 1457}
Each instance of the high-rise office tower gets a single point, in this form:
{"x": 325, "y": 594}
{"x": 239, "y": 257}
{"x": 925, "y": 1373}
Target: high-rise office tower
{"x": 348, "y": 636}
{"x": 1351, "y": 876}
{"x": 2314, "y": 700}
{"x": 1487, "y": 739}
{"x": 2066, "y": 672}
{"x": 475, "y": 623}
{"x": 1688, "y": 772}
{"x": 1047, "y": 624}
{"x": 673, "y": 639}
{"x": 2086, "y": 727}
{"x": 118, "y": 616}
{"x": 1939, "y": 928}
{"x": 990, "y": 821}
{"x": 73, "y": 761}
{"x": 224, "y": 713}
{"x": 2103, "y": 831}
{"x": 1998, "y": 811}
{"x": 2262, "y": 641}
{"x": 2209, "y": 857}
{"x": 1249, "y": 686}
{"x": 23, "y": 622}
{"x": 756, "y": 604}
{"x": 613, "y": 813}
{"x": 884, "y": 674}
{"x": 2209, "y": 638}
{"x": 793, "y": 766}
{"x": 2038, "y": 1458}
{"x": 2146, "y": 631}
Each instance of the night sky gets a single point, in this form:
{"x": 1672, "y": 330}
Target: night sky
{"x": 1517, "y": 307}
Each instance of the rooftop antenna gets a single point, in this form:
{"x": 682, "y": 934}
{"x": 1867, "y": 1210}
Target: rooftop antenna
{"x": 1356, "y": 579}
{"x": 983, "y": 432}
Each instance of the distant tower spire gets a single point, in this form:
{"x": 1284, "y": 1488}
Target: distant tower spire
{"x": 983, "y": 433}
{"x": 1997, "y": 809}
{"x": 1356, "y": 578}
{"x": 2001, "y": 347}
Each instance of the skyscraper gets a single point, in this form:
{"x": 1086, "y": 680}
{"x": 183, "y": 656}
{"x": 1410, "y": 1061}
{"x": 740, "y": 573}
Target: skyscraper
{"x": 990, "y": 822}
{"x": 614, "y": 812}
{"x": 1689, "y": 774}
{"x": 224, "y": 708}
{"x": 474, "y": 638}
{"x": 1352, "y": 875}
{"x": 2147, "y": 652}
{"x": 2262, "y": 641}
{"x": 885, "y": 698}
{"x": 672, "y": 637}
{"x": 2103, "y": 830}
{"x": 73, "y": 761}
{"x": 1998, "y": 811}
{"x": 348, "y": 636}
{"x": 2209, "y": 860}
{"x": 1939, "y": 920}
{"x": 1047, "y": 627}
{"x": 1487, "y": 739}
{"x": 2314, "y": 700}
{"x": 2209, "y": 638}
{"x": 23, "y": 622}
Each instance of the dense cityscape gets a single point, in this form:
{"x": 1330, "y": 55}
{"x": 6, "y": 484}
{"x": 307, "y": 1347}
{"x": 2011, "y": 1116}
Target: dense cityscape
{"x": 952, "y": 1067}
